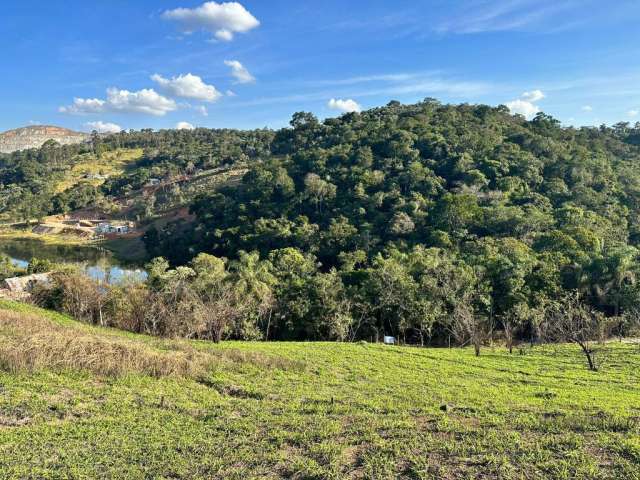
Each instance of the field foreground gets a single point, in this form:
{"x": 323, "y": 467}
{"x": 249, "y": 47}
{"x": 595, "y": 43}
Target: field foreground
{"x": 83, "y": 402}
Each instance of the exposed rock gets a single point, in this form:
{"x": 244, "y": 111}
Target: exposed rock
{"x": 35, "y": 136}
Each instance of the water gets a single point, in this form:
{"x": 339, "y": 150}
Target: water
{"x": 98, "y": 263}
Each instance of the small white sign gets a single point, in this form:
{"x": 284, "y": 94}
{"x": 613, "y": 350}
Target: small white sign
{"x": 389, "y": 340}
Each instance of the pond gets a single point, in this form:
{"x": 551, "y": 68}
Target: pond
{"x": 98, "y": 263}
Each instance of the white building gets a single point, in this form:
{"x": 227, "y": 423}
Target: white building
{"x": 105, "y": 228}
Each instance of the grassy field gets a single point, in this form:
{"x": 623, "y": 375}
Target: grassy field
{"x": 109, "y": 164}
{"x": 25, "y": 233}
{"x": 83, "y": 402}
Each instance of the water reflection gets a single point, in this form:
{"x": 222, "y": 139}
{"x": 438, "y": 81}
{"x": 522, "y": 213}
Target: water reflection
{"x": 98, "y": 263}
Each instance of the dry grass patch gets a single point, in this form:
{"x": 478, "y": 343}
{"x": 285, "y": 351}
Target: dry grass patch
{"x": 30, "y": 343}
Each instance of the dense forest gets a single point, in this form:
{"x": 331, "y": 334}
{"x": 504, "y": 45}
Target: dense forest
{"x": 393, "y": 218}
{"x": 428, "y": 222}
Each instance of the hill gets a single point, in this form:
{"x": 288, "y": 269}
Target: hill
{"x": 35, "y": 136}
{"x": 71, "y": 407}
{"x": 428, "y": 222}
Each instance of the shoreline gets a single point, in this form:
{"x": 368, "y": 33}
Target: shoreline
{"x": 12, "y": 233}
{"x": 126, "y": 250}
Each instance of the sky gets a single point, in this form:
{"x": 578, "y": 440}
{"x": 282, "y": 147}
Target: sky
{"x": 132, "y": 64}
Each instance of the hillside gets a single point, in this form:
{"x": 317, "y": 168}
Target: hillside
{"x": 429, "y": 222}
{"x": 111, "y": 173}
{"x": 35, "y": 136}
{"x": 70, "y": 407}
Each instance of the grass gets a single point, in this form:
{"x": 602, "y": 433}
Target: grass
{"x": 12, "y": 233}
{"x": 312, "y": 410}
{"x": 32, "y": 343}
{"x": 109, "y": 164}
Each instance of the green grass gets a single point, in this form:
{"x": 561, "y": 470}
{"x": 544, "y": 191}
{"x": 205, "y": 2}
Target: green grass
{"x": 110, "y": 164}
{"x": 25, "y": 233}
{"x": 327, "y": 410}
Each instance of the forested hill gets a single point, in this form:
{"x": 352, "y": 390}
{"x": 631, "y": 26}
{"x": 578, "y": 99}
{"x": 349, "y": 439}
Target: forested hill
{"x": 461, "y": 178}
{"x": 39, "y": 182}
{"x": 398, "y": 218}
{"x": 418, "y": 209}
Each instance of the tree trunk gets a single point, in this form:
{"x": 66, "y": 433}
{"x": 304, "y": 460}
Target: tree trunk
{"x": 266, "y": 336}
{"x": 508, "y": 335}
{"x": 589, "y": 354}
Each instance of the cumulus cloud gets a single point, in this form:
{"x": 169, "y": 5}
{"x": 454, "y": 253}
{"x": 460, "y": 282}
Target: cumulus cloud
{"x": 184, "y": 126}
{"x": 103, "y": 127}
{"x": 633, "y": 113}
{"x": 525, "y": 105}
{"x": 533, "y": 96}
{"x": 84, "y": 105}
{"x": 587, "y": 108}
{"x": 345, "y": 106}
{"x": 187, "y": 86}
{"x": 222, "y": 19}
{"x": 239, "y": 72}
{"x": 123, "y": 101}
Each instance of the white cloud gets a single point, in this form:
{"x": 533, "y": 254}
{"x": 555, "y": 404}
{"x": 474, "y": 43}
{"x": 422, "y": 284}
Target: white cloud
{"x": 533, "y": 96}
{"x": 221, "y": 19}
{"x": 587, "y": 108}
{"x": 184, "y": 126}
{"x": 523, "y": 107}
{"x": 187, "y": 86}
{"x": 239, "y": 72}
{"x": 142, "y": 101}
{"x": 84, "y": 105}
{"x": 633, "y": 113}
{"x": 231, "y": 93}
{"x": 526, "y": 104}
{"x": 103, "y": 127}
{"x": 202, "y": 110}
{"x": 347, "y": 105}
{"x": 123, "y": 101}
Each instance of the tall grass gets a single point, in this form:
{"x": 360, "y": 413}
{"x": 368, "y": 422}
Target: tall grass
{"x": 31, "y": 343}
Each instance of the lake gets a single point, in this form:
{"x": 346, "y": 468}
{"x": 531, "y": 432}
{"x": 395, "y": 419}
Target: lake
{"x": 98, "y": 263}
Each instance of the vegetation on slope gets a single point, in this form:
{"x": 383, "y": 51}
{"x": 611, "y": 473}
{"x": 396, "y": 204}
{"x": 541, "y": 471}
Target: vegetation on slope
{"x": 50, "y": 180}
{"x": 420, "y": 214}
{"x": 94, "y": 169}
{"x": 315, "y": 410}
{"x": 430, "y": 222}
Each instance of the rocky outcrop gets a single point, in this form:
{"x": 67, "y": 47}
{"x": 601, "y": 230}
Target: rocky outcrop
{"x": 35, "y": 136}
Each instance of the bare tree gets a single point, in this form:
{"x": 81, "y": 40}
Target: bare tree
{"x": 216, "y": 310}
{"x": 570, "y": 320}
{"x": 631, "y": 321}
{"x": 517, "y": 318}
{"x": 467, "y": 326}
{"x": 81, "y": 297}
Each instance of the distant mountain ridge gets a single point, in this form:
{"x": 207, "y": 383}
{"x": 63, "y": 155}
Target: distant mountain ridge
{"x": 35, "y": 136}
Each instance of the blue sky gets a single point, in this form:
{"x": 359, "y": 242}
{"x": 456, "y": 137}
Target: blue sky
{"x": 160, "y": 63}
